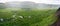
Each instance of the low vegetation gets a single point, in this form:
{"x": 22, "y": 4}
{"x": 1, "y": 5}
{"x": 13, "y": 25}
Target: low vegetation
{"x": 27, "y": 18}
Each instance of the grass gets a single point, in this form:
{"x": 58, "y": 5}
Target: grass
{"x": 38, "y": 18}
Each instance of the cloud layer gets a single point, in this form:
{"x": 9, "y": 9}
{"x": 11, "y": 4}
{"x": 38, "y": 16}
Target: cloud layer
{"x": 37, "y": 1}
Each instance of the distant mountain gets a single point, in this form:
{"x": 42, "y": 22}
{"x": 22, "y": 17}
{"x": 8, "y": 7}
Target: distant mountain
{"x": 31, "y": 5}
{"x": 2, "y": 5}
{"x": 13, "y": 4}
{"x": 28, "y": 4}
{"x": 44, "y": 6}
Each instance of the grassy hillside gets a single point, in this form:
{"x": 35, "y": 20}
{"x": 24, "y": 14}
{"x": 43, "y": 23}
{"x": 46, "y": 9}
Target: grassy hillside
{"x": 27, "y": 18}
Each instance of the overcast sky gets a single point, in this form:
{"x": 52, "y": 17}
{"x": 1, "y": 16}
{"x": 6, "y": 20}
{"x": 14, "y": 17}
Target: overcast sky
{"x": 37, "y": 1}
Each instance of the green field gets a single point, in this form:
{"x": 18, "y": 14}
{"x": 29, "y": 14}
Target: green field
{"x": 27, "y": 18}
